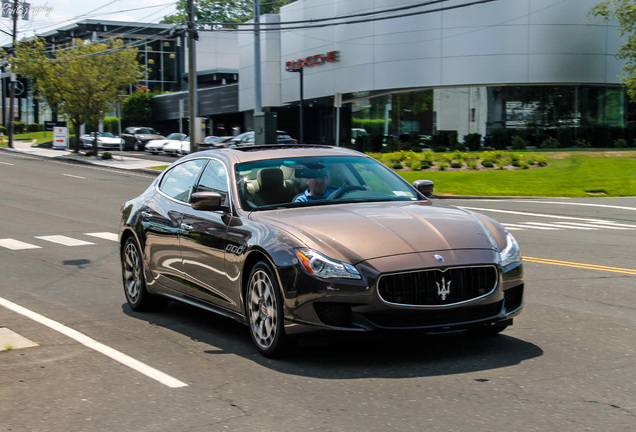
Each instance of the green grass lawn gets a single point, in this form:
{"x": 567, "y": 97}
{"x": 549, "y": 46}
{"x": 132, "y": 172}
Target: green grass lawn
{"x": 39, "y": 137}
{"x": 569, "y": 174}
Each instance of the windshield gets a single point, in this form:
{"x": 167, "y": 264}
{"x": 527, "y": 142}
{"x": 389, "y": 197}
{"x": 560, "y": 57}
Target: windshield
{"x": 175, "y": 136}
{"x": 306, "y": 181}
{"x": 149, "y": 131}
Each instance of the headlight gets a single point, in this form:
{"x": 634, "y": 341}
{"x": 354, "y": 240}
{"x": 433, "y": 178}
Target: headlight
{"x": 510, "y": 254}
{"x": 319, "y": 265}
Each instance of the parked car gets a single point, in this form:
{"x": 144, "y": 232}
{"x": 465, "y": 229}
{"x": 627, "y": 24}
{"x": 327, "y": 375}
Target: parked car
{"x": 156, "y": 146}
{"x": 247, "y": 138}
{"x": 105, "y": 140}
{"x": 135, "y": 138}
{"x": 177, "y": 147}
{"x": 211, "y": 142}
{"x": 220, "y": 229}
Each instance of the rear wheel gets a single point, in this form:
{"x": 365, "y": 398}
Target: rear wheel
{"x": 137, "y": 296}
{"x": 264, "y": 308}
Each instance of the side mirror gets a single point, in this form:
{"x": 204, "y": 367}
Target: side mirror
{"x": 206, "y": 201}
{"x": 425, "y": 187}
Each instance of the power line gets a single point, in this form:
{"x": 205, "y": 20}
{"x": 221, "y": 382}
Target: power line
{"x": 289, "y": 25}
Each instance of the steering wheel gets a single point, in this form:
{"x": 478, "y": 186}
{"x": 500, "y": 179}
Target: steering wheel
{"x": 345, "y": 189}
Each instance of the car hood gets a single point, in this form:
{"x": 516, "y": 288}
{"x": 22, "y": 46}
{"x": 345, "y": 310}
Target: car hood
{"x": 358, "y": 232}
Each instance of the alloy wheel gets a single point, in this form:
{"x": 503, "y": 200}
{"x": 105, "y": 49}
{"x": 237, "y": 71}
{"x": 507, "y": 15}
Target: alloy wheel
{"x": 262, "y": 309}
{"x": 132, "y": 272}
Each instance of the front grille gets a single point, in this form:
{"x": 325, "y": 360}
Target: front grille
{"x": 432, "y": 318}
{"x": 438, "y": 287}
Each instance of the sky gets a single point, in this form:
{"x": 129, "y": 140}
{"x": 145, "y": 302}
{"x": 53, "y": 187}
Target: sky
{"x": 49, "y": 15}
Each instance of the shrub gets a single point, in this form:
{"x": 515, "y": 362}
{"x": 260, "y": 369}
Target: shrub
{"x": 473, "y": 141}
{"x": 501, "y": 163}
{"x": 438, "y": 141}
{"x": 581, "y": 143}
{"x": 107, "y": 155}
{"x": 620, "y": 143}
{"x": 442, "y": 165}
{"x": 488, "y": 162}
{"x": 499, "y": 139}
{"x": 457, "y": 164}
{"x": 19, "y": 127}
{"x": 549, "y": 143}
{"x": 541, "y": 160}
{"x": 418, "y": 164}
{"x": 564, "y": 136}
{"x": 3, "y": 130}
{"x": 472, "y": 164}
{"x": 34, "y": 127}
{"x": 519, "y": 143}
{"x": 111, "y": 124}
{"x": 452, "y": 140}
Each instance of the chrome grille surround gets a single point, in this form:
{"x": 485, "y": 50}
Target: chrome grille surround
{"x": 427, "y": 287}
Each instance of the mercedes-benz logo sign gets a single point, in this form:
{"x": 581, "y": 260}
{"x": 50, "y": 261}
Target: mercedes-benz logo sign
{"x": 18, "y": 88}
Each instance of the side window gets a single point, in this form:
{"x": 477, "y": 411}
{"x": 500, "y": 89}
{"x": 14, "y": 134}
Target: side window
{"x": 213, "y": 179}
{"x": 179, "y": 181}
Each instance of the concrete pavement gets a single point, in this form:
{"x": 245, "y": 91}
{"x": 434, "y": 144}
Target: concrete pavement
{"x": 119, "y": 161}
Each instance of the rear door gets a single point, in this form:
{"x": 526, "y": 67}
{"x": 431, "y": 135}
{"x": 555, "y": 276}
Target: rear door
{"x": 162, "y": 218}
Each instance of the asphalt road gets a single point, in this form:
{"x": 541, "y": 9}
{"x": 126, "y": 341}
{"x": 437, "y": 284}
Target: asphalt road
{"x": 567, "y": 364}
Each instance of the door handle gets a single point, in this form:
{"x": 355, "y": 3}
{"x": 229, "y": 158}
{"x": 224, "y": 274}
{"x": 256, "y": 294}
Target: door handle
{"x": 146, "y": 215}
{"x": 186, "y": 227}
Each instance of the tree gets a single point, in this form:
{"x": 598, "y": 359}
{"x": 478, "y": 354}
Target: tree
{"x": 81, "y": 81}
{"x": 135, "y": 110}
{"x": 623, "y": 12}
{"x": 222, "y": 11}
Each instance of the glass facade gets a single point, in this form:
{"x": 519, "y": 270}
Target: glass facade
{"x": 160, "y": 59}
{"x": 596, "y": 114}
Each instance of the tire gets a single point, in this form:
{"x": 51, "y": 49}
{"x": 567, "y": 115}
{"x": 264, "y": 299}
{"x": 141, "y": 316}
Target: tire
{"x": 264, "y": 309}
{"x": 134, "y": 282}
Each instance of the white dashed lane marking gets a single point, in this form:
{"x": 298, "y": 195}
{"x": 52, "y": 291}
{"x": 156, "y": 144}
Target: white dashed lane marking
{"x": 64, "y": 240}
{"x": 104, "y": 235}
{"x": 13, "y": 244}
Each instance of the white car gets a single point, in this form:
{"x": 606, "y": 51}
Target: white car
{"x": 105, "y": 140}
{"x": 177, "y": 148}
{"x": 156, "y": 146}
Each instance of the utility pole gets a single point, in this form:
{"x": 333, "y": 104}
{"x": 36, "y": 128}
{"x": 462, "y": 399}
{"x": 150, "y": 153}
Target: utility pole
{"x": 193, "y": 102}
{"x": 258, "y": 108}
{"x": 11, "y": 125}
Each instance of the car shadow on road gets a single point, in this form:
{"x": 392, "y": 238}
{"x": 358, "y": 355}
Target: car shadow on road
{"x": 390, "y": 355}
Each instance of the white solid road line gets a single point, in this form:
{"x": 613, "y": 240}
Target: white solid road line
{"x": 120, "y": 357}
{"x": 579, "y": 204}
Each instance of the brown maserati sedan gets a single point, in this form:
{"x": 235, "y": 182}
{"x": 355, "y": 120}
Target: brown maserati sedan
{"x": 291, "y": 240}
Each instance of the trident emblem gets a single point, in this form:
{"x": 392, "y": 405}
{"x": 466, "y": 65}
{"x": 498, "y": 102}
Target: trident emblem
{"x": 444, "y": 289}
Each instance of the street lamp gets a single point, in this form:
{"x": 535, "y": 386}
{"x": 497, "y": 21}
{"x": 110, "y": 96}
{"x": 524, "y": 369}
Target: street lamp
{"x": 299, "y": 69}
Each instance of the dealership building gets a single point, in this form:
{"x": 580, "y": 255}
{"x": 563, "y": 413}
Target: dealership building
{"x": 450, "y": 66}
{"x": 395, "y": 68}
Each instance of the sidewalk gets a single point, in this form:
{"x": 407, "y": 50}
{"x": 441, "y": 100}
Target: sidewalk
{"x": 119, "y": 160}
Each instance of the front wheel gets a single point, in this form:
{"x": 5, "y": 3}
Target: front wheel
{"x": 137, "y": 296}
{"x": 264, "y": 308}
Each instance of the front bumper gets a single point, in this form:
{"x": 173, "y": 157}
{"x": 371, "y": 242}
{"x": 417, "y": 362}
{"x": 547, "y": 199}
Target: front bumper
{"x": 314, "y": 305}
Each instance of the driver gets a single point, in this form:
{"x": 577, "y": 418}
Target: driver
{"x": 317, "y": 188}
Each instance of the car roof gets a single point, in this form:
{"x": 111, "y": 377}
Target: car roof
{"x": 274, "y": 151}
